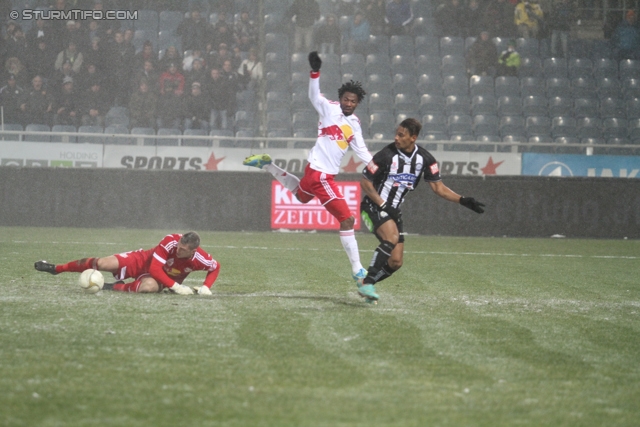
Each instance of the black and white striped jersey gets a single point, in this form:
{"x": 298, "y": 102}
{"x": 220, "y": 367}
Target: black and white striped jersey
{"x": 398, "y": 173}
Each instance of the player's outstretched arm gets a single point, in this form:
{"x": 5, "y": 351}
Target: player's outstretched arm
{"x": 446, "y": 193}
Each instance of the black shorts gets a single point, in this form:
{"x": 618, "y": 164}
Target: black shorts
{"x": 373, "y": 217}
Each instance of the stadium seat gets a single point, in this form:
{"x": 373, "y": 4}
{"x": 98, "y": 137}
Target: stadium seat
{"x": 193, "y": 142}
{"x": 221, "y": 137}
{"x": 277, "y": 62}
{"x": 567, "y": 145}
{"x": 631, "y": 88}
{"x": 580, "y": 67}
{"x": 115, "y": 130}
{"x": 379, "y": 83}
{"x": 428, "y": 64}
{"x": 430, "y": 83}
{"x": 555, "y": 68}
{"x": 608, "y": 87}
{"x": 169, "y": 20}
{"x": 614, "y": 127}
{"x": 632, "y": 107}
{"x": 481, "y": 85}
{"x": 589, "y": 127}
{"x": 629, "y": 69}
{"x": 168, "y": 141}
{"x": 147, "y": 20}
{"x": 484, "y": 104}
{"x": 527, "y": 47}
{"x": 280, "y": 120}
{"x": 558, "y": 86}
{"x": 404, "y": 83}
{"x": 612, "y": 107}
{"x": 63, "y": 128}
{"x": 501, "y": 43}
{"x": 455, "y": 85}
{"x": 12, "y": 127}
{"x": 432, "y": 104}
{"x": 460, "y": 124}
{"x": 276, "y": 81}
{"x": 426, "y": 45}
{"x": 560, "y": 106}
{"x": 457, "y": 104}
{"x": 506, "y": 86}
{"x": 435, "y": 124}
{"x": 401, "y": 45}
{"x": 303, "y": 120}
{"x": 538, "y": 126}
{"x": 379, "y": 102}
{"x": 605, "y": 67}
{"x": 380, "y": 123}
{"x": 300, "y": 63}
{"x": 534, "y": 105}
{"x": 512, "y": 125}
{"x": 530, "y": 67}
{"x": 585, "y": 107}
{"x": 634, "y": 130}
{"x": 452, "y": 46}
{"x": 584, "y": 87}
{"x": 562, "y": 126}
{"x": 276, "y": 43}
{"x": 532, "y": 86}
{"x": 486, "y": 125}
{"x": 378, "y": 64}
{"x": 352, "y": 63}
{"x": 403, "y": 65}
{"x": 509, "y": 106}
{"x": 91, "y": 139}
{"x": 379, "y": 44}
{"x": 454, "y": 65}
{"x": 278, "y": 100}
{"x": 300, "y": 101}
{"x": 141, "y": 131}
{"x": 308, "y": 133}
{"x": 406, "y": 103}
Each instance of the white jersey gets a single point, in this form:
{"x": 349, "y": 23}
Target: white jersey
{"x": 336, "y": 132}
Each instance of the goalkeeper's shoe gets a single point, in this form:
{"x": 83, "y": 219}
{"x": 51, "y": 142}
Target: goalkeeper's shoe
{"x": 45, "y": 266}
{"x": 257, "y": 160}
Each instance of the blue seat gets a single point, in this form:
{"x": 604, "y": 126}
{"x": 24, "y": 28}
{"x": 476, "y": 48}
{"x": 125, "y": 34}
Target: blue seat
{"x": 562, "y": 126}
{"x": 586, "y": 107}
{"x": 404, "y": 83}
{"x": 605, "y": 67}
{"x": 111, "y": 131}
{"x": 430, "y": 83}
{"x": 633, "y": 108}
{"x": 380, "y": 123}
{"x": 614, "y": 127}
{"x": 631, "y": 88}
{"x": 558, "y": 86}
{"x": 580, "y": 67}
{"x": 245, "y": 120}
{"x": 460, "y": 124}
{"x": 222, "y": 137}
{"x": 629, "y": 69}
{"x": 352, "y": 63}
{"x": 279, "y": 119}
{"x": 403, "y": 64}
{"x": 537, "y": 126}
{"x": 63, "y": 138}
{"x": 11, "y": 127}
{"x": 584, "y": 87}
{"x": 378, "y": 64}
{"x": 560, "y": 106}
{"x": 555, "y": 67}
{"x": 401, "y": 45}
{"x": 426, "y": 45}
{"x": 379, "y": 83}
{"x": 276, "y": 43}
{"x": 379, "y": 44}
{"x": 634, "y": 130}
{"x": 432, "y": 104}
{"x": 304, "y": 120}
{"x": 169, "y": 20}
{"x": 91, "y": 139}
{"x": 143, "y": 134}
{"x": 481, "y": 85}
{"x": 486, "y": 125}
{"x": 506, "y": 86}
{"x": 532, "y": 86}
{"x": 379, "y": 102}
{"x": 278, "y": 100}
{"x": 589, "y": 127}
{"x": 306, "y": 133}
{"x": 530, "y": 67}
{"x": 300, "y": 63}
{"x": 458, "y": 104}
{"x": 406, "y": 103}
{"x": 435, "y": 124}
{"x": 195, "y": 142}
{"x": 455, "y": 85}
{"x": 527, "y": 47}
{"x": 452, "y": 46}
{"x": 276, "y": 61}
{"x": 428, "y": 64}
{"x": 612, "y": 107}
{"x": 453, "y": 65}
{"x": 484, "y": 104}
{"x": 608, "y": 87}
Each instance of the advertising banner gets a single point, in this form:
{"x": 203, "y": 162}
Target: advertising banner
{"x": 578, "y": 165}
{"x": 289, "y": 213}
{"x": 43, "y": 154}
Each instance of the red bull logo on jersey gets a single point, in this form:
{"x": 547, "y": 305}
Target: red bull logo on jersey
{"x": 343, "y": 135}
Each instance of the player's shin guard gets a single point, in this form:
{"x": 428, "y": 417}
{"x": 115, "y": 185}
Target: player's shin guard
{"x": 385, "y": 272}
{"x": 290, "y": 182}
{"x": 127, "y": 287}
{"x": 350, "y": 245}
{"x": 378, "y": 262}
{"x": 78, "y": 266}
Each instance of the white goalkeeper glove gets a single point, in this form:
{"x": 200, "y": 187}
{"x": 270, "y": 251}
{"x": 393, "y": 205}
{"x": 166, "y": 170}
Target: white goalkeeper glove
{"x": 204, "y": 291}
{"x": 181, "y": 289}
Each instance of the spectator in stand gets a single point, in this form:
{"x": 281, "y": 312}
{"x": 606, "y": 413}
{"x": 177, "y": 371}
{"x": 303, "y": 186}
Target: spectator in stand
{"x": 221, "y": 34}
{"x": 450, "y": 20}
{"x": 66, "y": 109}
{"x": 398, "y": 16}
{"x": 90, "y": 73}
{"x": 217, "y": 58}
{"x": 121, "y": 61}
{"x": 472, "y": 19}
{"x": 198, "y": 73}
{"x": 58, "y": 25}
{"x": 306, "y": 13}
{"x": 187, "y": 62}
{"x": 482, "y": 56}
{"x": 41, "y": 60}
{"x": 72, "y": 33}
{"x": 149, "y": 74}
{"x": 170, "y": 107}
{"x": 245, "y": 32}
{"x": 72, "y": 55}
{"x": 358, "y": 33}
{"x": 219, "y": 96}
{"x": 626, "y": 38}
{"x": 95, "y": 54}
{"x": 106, "y": 28}
{"x": 374, "y": 11}
{"x": 328, "y": 36}
{"x": 142, "y": 106}
{"x": 251, "y": 67}
{"x": 498, "y": 15}
{"x": 94, "y": 105}
{"x": 146, "y": 54}
{"x": 13, "y": 66}
{"x": 56, "y": 83}
{"x": 196, "y": 109}
{"x": 559, "y": 21}
{"x": 509, "y": 61}
{"x": 38, "y": 104}
{"x": 528, "y": 18}
{"x": 41, "y": 31}
{"x": 12, "y": 97}
{"x": 171, "y": 80}
{"x": 193, "y": 31}
{"x": 171, "y": 55}
{"x": 16, "y": 45}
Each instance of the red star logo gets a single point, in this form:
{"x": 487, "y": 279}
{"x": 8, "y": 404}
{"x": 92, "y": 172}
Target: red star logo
{"x": 351, "y": 167}
{"x": 212, "y": 163}
{"x": 490, "y": 168}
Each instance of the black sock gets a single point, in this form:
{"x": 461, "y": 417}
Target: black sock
{"x": 380, "y": 257}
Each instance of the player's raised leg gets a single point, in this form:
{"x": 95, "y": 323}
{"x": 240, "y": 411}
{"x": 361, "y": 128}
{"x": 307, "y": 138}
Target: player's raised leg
{"x": 263, "y": 161}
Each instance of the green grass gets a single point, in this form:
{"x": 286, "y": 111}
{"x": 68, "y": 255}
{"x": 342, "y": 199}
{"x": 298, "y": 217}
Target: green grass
{"x": 470, "y": 332}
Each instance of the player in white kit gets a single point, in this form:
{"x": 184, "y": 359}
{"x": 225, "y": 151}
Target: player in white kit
{"x": 338, "y": 129}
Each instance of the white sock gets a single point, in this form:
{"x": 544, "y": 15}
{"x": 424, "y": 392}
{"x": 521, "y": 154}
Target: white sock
{"x": 289, "y": 181}
{"x": 350, "y": 245}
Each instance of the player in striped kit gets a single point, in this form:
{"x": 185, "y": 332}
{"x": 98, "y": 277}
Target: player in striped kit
{"x": 165, "y": 266}
{"x": 397, "y": 171}
{"x": 338, "y": 129}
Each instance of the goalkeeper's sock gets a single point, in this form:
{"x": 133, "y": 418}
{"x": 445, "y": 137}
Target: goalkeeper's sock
{"x": 350, "y": 245}
{"x": 78, "y": 266}
{"x": 378, "y": 261}
{"x": 127, "y": 287}
{"x": 290, "y": 182}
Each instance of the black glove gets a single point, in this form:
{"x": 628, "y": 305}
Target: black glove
{"x": 314, "y": 61}
{"x": 471, "y": 203}
{"x": 394, "y": 213}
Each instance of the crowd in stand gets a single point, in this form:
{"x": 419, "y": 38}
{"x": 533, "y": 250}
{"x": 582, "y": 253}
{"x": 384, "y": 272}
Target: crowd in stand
{"x": 73, "y": 72}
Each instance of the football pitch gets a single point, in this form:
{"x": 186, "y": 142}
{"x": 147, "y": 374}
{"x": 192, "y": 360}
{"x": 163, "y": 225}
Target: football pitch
{"x": 470, "y": 332}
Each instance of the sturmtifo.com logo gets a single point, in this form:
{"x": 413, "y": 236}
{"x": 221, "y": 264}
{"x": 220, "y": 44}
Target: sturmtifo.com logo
{"x": 73, "y": 15}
